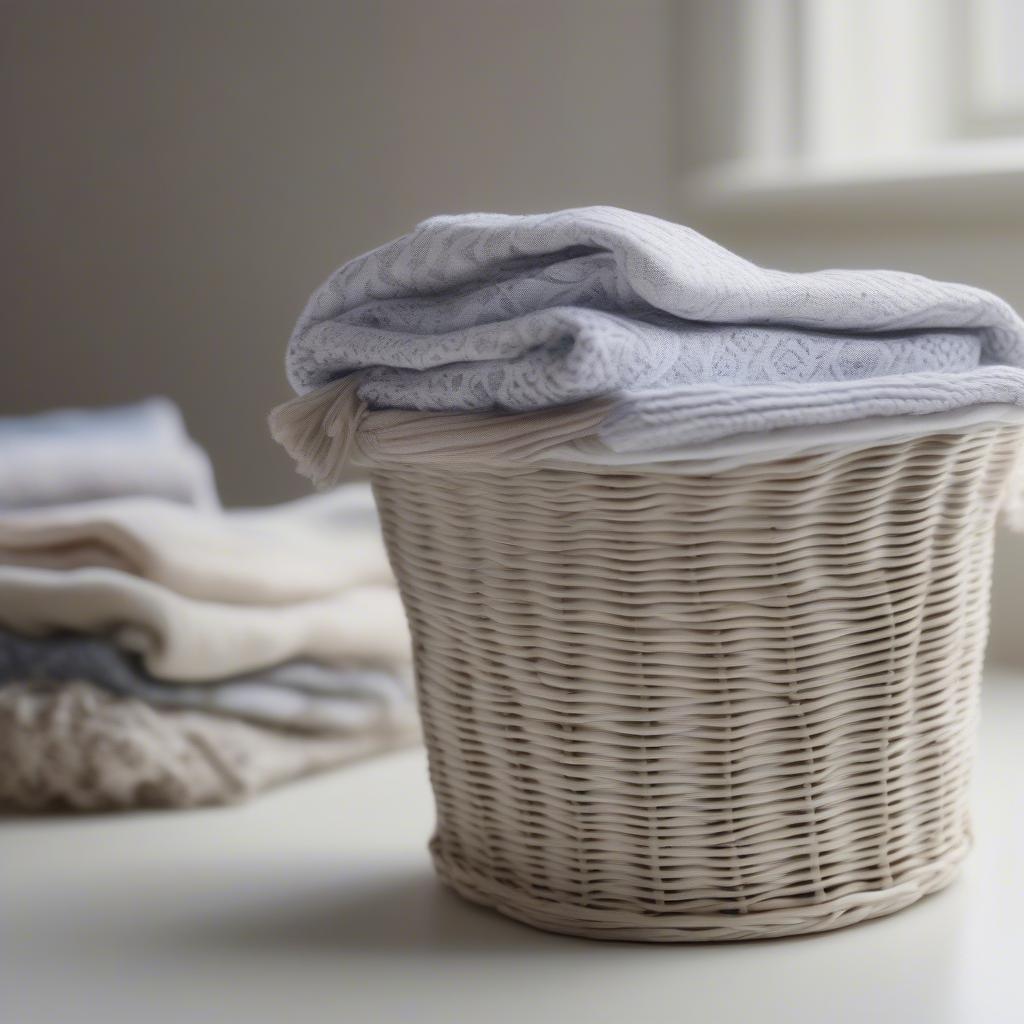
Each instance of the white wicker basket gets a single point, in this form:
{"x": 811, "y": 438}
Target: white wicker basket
{"x": 668, "y": 706}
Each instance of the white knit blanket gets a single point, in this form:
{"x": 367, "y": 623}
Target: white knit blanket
{"x": 76, "y": 746}
{"x": 492, "y": 312}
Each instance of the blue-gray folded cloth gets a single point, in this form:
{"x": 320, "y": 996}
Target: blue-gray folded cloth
{"x": 299, "y": 695}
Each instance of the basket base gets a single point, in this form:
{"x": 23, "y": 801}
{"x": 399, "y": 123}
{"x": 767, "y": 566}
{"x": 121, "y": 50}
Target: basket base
{"x": 623, "y": 926}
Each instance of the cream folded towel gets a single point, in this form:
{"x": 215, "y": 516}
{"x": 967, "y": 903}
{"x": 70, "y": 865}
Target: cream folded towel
{"x": 201, "y": 596}
{"x": 75, "y": 746}
{"x": 182, "y": 639}
{"x": 289, "y": 553}
{"x": 264, "y": 644}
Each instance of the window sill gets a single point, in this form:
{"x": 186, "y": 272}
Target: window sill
{"x": 975, "y": 181}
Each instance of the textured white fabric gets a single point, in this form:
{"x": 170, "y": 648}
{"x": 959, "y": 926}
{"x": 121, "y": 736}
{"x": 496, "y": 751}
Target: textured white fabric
{"x": 75, "y": 746}
{"x": 785, "y": 442}
{"x": 694, "y": 416}
{"x": 491, "y": 312}
{"x": 289, "y": 553}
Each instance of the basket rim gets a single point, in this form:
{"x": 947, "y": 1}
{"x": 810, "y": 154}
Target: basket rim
{"x": 590, "y": 455}
{"x": 745, "y": 451}
{"x": 617, "y": 926}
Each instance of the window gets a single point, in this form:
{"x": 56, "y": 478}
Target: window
{"x": 861, "y": 89}
{"x": 994, "y": 95}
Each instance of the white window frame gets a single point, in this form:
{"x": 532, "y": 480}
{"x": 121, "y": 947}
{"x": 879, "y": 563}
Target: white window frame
{"x": 992, "y": 98}
{"x": 932, "y": 108}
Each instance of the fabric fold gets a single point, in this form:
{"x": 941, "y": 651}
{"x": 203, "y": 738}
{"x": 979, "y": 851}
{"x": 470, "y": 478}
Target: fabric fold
{"x": 271, "y": 557}
{"x": 157, "y": 654}
{"x": 685, "y": 341}
{"x": 300, "y": 695}
{"x": 181, "y": 639}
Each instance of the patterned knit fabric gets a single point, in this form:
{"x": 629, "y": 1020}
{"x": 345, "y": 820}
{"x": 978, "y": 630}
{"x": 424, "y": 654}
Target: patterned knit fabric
{"x": 485, "y": 311}
{"x": 77, "y": 747}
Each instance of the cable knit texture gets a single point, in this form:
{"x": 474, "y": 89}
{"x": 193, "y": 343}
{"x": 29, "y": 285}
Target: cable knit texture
{"x": 77, "y": 747}
{"x": 491, "y": 312}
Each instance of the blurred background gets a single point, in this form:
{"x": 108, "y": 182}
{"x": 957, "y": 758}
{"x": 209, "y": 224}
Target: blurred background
{"x": 177, "y": 177}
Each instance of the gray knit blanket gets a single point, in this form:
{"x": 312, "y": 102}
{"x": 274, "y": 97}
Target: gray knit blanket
{"x": 491, "y": 312}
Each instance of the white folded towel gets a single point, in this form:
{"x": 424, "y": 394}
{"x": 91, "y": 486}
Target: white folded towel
{"x": 288, "y": 553}
{"x": 182, "y": 639}
{"x": 81, "y": 454}
{"x": 206, "y": 596}
{"x": 692, "y": 343}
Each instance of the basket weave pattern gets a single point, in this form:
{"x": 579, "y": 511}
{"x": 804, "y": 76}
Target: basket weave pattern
{"x": 673, "y": 707}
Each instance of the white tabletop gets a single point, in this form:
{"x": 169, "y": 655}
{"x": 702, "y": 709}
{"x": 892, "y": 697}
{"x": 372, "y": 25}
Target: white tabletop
{"x": 317, "y": 903}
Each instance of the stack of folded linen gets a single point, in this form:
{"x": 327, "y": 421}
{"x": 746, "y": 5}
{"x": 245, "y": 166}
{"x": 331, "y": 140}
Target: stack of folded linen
{"x": 153, "y": 653}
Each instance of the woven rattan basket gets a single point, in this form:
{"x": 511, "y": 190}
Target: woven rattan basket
{"x": 665, "y": 706}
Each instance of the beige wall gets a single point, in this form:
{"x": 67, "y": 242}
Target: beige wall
{"x": 178, "y": 175}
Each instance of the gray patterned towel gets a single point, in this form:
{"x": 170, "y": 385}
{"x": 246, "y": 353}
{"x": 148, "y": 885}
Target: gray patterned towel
{"x": 491, "y": 312}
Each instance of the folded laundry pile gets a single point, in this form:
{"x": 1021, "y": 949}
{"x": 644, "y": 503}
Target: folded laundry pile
{"x": 153, "y": 653}
{"x": 679, "y": 341}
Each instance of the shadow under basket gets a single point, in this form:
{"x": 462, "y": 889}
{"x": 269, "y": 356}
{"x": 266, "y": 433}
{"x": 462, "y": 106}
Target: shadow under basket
{"x": 667, "y": 706}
